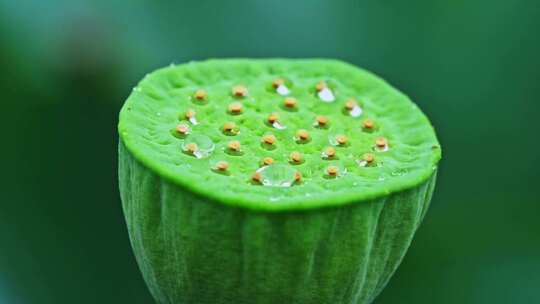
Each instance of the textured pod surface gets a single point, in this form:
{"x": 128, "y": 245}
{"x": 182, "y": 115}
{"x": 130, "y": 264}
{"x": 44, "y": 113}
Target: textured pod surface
{"x": 272, "y": 181}
{"x": 192, "y": 250}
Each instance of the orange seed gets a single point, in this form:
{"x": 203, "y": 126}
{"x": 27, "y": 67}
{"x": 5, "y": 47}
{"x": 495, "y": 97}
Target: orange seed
{"x": 222, "y": 165}
{"x": 330, "y": 152}
{"x": 290, "y": 102}
{"x": 182, "y": 129}
{"x": 190, "y": 114}
{"x": 229, "y": 126}
{"x": 341, "y": 139}
{"x": 368, "y": 124}
{"x": 200, "y": 95}
{"x": 277, "y": 82}
{"x": 239, "y": 91}
{"x": 256, "y": 177}
{"x": 267, "y": 161}
{"x": 273, "y": 117}
{"x": 321, "y": 85}
{"x": 332, "y": 170}
{"x": 269, "y": 139}
{"x": 322, "y": 120}
{"x": 192, "y": 148}
{"x": 381, "y": 142}
{"x": 350, "y": 104}
{"x": 302, "y": 134}
{"x": 235, "y": 107}
{"x": 234, "y": 145}
{"x": 368, "y": 157}
{"x": 296, "y": 156}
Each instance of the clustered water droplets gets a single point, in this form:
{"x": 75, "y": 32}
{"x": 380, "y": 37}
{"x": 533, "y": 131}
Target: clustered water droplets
{"x": 271, "y": 172}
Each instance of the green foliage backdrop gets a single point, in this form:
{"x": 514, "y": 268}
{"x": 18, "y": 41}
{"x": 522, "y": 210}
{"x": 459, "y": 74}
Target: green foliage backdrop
{"x": 66, "y": 67}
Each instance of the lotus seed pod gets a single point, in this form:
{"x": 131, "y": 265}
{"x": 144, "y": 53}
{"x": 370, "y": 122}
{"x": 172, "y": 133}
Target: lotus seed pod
{"x": 304, "y": 207}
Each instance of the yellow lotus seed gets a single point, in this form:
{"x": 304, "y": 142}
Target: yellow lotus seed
{"x": 368, "y": 124}
{"x": 192, "y": 148}
{"x": 269, "y": 139}
{"x": 234, "y": 145}
{"x": 290, "y": 102}
{"x": 322, "y": 120}
{"x": 321, "y": 85}
{"x": 332, "y": 170}
{"x": 296, "y": 157}
{"x": 182, "y": 129}
{"x": 229, "y": 127}
{"x": 368, "y": 157}
{"x": 350, "y": 104}
{"x": 200, "y": 95}
{"x": 235, "y": 107}
{"x": 273, "y": 117}
{"x": 341, "y": 139}
{"x": 267, "y": 161}
{"x": 277, "y": 82}
{"x": 330, "y": 152}
{"x": 190, "y": 114}
{"x": 381, "y": 142}
{"x": 222, "y": 165}
{"x": 239, "y": 91}
{"x": 302, "y": 134}
{"x": 256, "y": 177}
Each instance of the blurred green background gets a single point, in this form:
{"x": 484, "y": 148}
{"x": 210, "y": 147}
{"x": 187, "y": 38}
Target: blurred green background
{"x": 67, "y": 66}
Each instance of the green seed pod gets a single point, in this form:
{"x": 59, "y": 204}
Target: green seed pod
{"x": 318, "y": 209}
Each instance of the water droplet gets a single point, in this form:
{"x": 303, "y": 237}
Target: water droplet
{"x": 326, "y": 95}
{"x": 362, "y": 163}
{"x": 283, "y": 90}
{"x": 356, "y": 111}
{"x": 278, "y": 125}
{"x": 193, "y": 120}
{"x": 277, "y": 175}
{"x": 381, "y": 149}
{"x": 204, "y": 145}
{"x": 158, "y": 114}
{"x": 381, "y": 178}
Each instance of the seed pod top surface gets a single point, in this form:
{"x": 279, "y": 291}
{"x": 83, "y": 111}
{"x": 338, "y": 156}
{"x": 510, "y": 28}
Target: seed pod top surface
{"x": 150, "y": 116}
